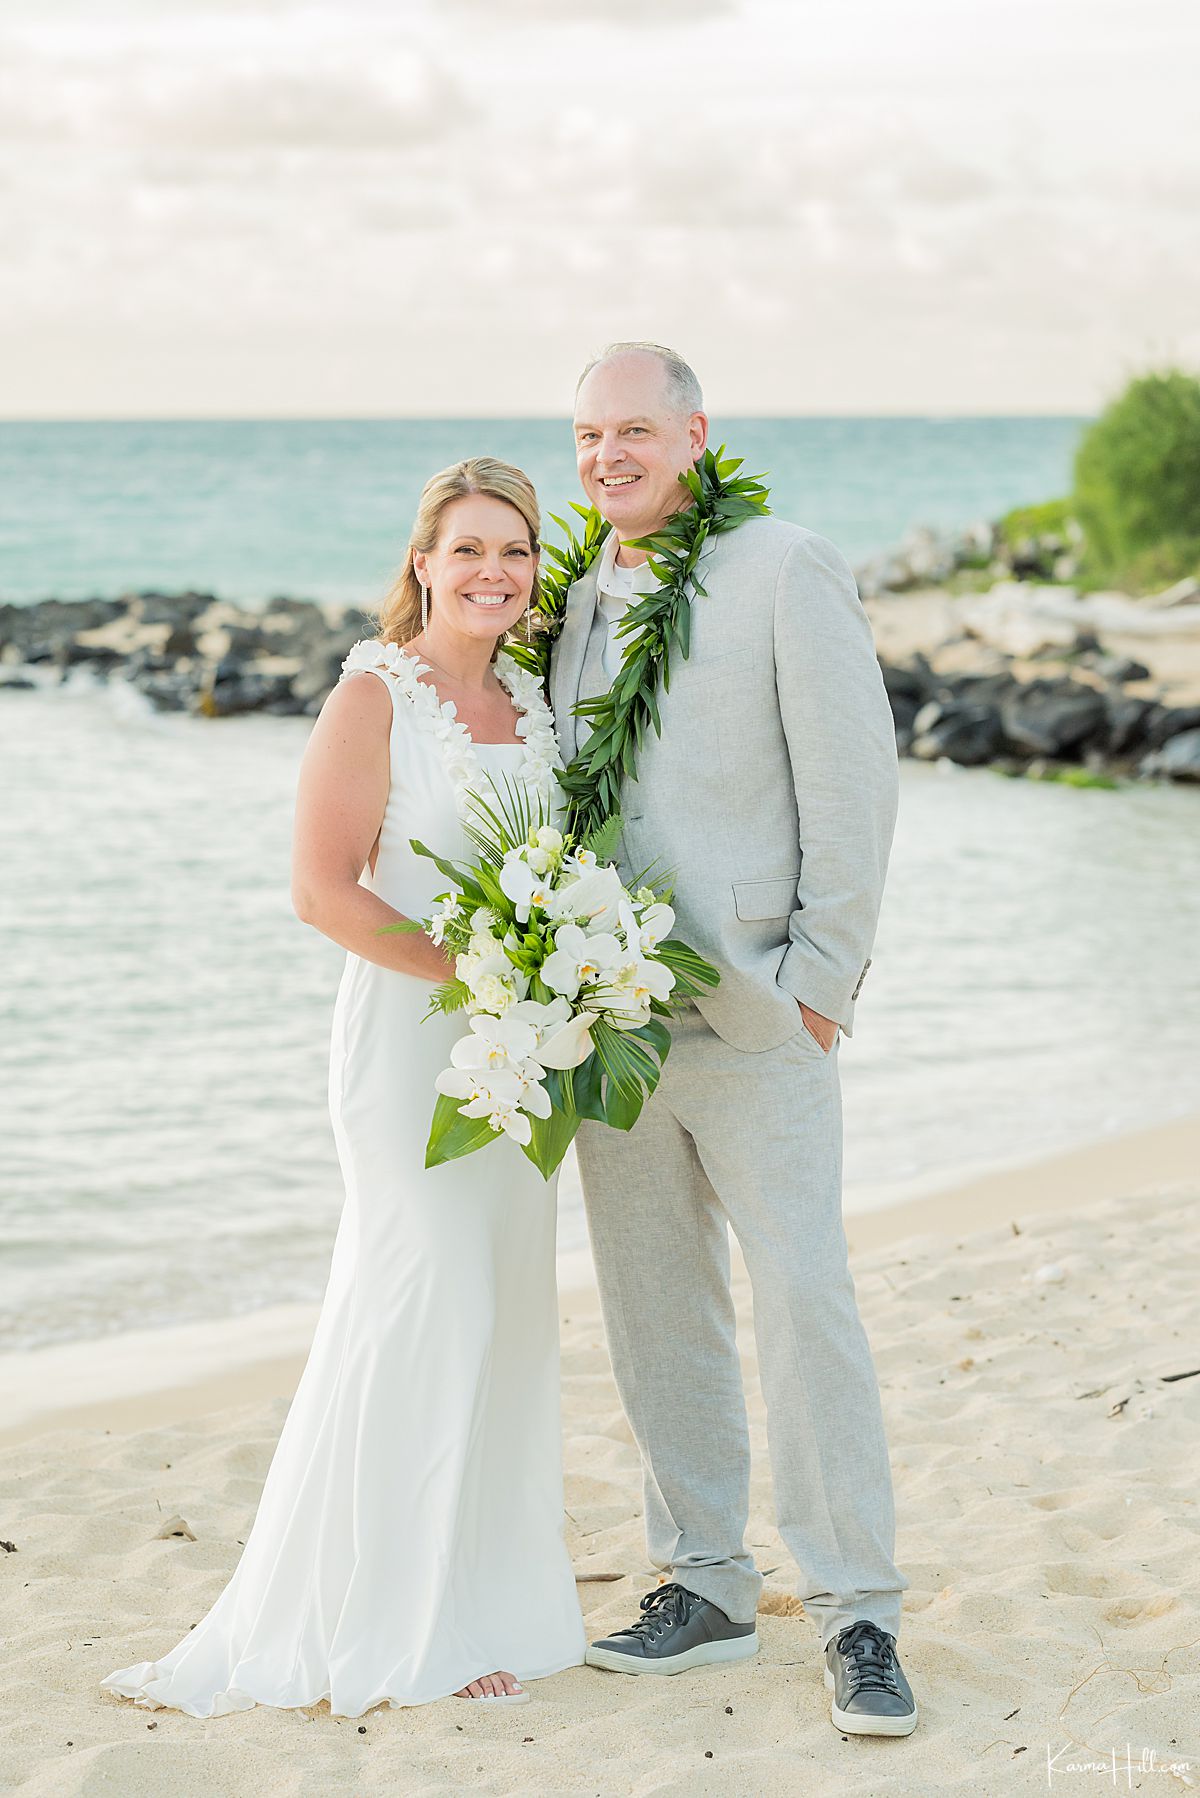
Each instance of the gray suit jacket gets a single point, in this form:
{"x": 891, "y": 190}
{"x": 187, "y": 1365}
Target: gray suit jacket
{"x": 770, "y": 798}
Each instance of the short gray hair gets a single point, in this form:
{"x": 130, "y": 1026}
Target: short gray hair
{"x": 682, "y": 386}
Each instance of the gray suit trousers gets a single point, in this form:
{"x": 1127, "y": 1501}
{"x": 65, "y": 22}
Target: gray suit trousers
{"x": 751, "y": 1140}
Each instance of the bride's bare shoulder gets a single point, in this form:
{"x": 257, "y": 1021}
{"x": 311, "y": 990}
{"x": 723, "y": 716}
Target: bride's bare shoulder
{"x": 357, "y": 713}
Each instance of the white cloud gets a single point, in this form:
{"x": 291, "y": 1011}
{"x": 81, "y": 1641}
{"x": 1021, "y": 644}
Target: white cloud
{"x": 603, "y": 13}
{"x": 287, "y": 208}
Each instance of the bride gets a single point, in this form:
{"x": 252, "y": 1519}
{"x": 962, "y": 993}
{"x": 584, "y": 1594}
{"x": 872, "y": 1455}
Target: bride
{"x": 408, "y": 1544}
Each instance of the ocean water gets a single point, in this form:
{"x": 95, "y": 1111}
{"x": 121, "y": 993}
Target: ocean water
{"x": 321, "y": 509}
{"x": 165, "y": 1147}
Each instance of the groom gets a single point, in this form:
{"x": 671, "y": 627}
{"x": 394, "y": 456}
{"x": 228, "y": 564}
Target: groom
{"x": 770, "y": 798}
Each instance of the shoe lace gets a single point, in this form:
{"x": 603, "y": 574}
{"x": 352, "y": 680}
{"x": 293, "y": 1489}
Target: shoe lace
{"x": 661, "y": 1610}
{"x": 871, "y": 1653}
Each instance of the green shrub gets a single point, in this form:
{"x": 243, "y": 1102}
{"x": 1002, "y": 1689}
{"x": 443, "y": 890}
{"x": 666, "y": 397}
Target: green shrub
{"x": 1150, "y": 570}
{"x": 1047, "y": 520}
{"x": 1137, "y": 483}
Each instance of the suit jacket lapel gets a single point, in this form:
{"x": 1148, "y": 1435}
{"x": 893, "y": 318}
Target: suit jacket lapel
{"x": 566, "y": 668}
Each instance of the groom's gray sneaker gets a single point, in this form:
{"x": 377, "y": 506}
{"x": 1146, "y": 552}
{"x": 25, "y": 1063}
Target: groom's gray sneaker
{"x": 871, "y": 1696}
{"x": 676, "y": 1630}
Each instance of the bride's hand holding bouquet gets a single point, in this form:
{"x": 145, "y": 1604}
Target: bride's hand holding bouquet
{"x": 565, "y": 976}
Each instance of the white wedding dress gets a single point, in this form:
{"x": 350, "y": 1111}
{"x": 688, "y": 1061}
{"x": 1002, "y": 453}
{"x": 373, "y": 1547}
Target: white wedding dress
{"x": 409, "y": 1534}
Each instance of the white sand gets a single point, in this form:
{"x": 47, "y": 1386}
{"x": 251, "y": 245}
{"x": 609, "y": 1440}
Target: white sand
{"x": 1049, "y": 1524}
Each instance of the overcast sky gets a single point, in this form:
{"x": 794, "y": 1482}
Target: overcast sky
{"x": 229, "y": 208}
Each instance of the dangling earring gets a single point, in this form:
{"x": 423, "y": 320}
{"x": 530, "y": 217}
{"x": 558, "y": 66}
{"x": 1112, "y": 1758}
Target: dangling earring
{"x": 528, "y": 626}
{"x": 424, "y": 606}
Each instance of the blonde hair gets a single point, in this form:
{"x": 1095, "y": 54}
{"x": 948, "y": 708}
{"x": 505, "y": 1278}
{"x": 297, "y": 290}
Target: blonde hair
{"x": 400, "y": 613}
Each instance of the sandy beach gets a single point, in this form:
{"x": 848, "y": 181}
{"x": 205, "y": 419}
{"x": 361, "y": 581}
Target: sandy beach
{"x": 1029, "y": 1331}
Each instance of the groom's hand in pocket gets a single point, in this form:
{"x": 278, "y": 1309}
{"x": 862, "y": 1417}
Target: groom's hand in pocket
{"x": 823, "y": 1029}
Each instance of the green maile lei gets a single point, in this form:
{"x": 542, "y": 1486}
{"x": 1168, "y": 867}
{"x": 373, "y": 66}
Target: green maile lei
{"x": 654, "y": 625}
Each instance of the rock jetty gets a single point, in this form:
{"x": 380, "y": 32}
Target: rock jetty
{"x": 990, "y": 657}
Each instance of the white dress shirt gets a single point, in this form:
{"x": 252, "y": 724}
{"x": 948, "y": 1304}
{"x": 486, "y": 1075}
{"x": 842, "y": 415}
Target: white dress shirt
{"x": 615, "y": 587}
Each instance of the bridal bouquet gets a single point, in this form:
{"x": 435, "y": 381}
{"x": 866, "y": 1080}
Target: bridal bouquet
{"x": 564, "y": 976}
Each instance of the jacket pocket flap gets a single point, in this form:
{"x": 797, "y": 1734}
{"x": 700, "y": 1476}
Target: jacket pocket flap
{"x": 766, "y": 898}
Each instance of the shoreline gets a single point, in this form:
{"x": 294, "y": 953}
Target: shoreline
{"x": 136, "y": 1380}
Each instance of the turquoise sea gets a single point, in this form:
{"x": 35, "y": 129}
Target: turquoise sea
{"x": 321, "y": 509}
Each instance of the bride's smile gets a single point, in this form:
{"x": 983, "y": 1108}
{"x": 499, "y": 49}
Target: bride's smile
{"x": 478, "y": 577}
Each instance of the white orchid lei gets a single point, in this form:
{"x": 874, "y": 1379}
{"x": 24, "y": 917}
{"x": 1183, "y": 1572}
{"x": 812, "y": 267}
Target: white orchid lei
{"x": 566, "y": 976}
{"x": 440, "y": 719}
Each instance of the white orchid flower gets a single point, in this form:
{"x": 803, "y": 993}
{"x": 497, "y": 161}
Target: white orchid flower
{"x": 569, "y": 1044}
{"x": 444, "y": 912}
{"x": 522, "y": 885}
{"x": 631, "y": 1017}
{"x": 627, "y": 918}
{"x": 592, "y": 899}
{"x": 655, "y": 926}
{"x": 652, "y": 978}
{"x": 500, "y": 1116}
{"x": 563, "y": 1040}
{"x": 543, "y": 1016}
{"x": 624, "y": 995}
{"x": 581, "y": 861}
{"x": 499, "y": 1086}
{"x": 494, "y": 1044}
{"x": 533, "y": 1096}
{"x": 648, "y": 931}
{"x": 560, "y": 908}
{"x": 579, "y": 959}
{"x": 517, "y": 1086}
